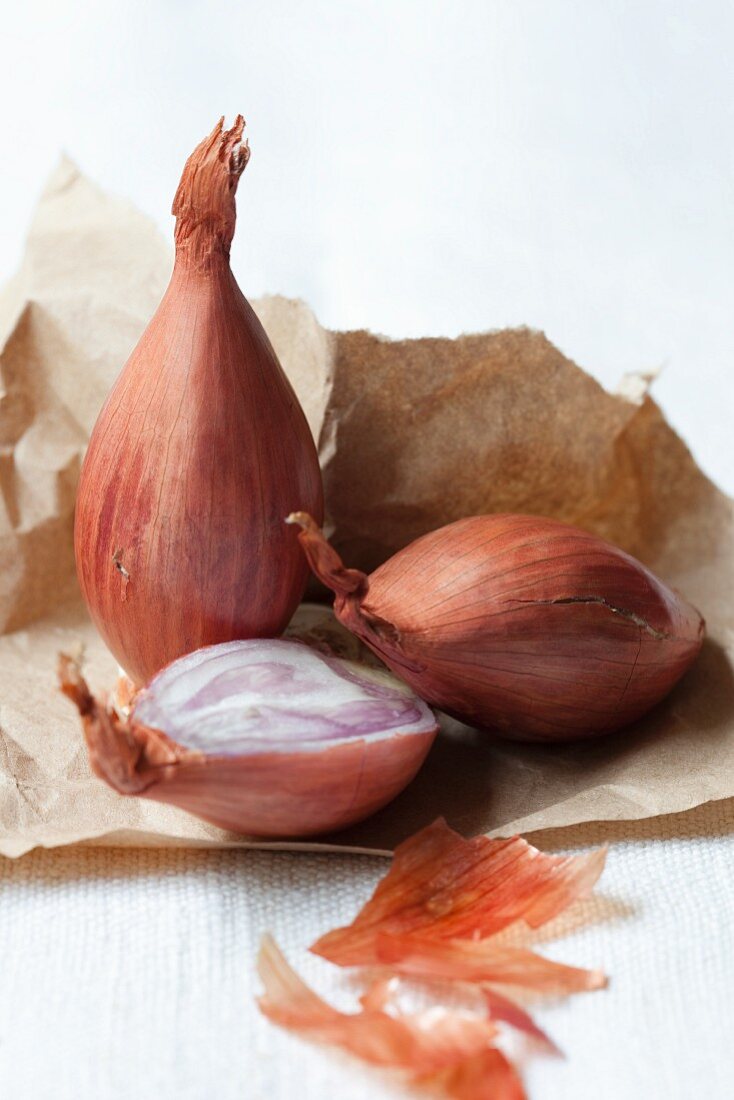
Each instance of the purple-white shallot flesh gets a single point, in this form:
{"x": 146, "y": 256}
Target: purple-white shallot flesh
{"x": 265, "y": 737}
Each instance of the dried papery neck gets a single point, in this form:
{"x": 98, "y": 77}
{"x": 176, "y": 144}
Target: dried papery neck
{"x": 204, "y": 205}
{"x": 326, "y": 563}
{"x": 350, "y": 588}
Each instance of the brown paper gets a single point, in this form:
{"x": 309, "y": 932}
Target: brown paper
{"x": 411, "y": 435}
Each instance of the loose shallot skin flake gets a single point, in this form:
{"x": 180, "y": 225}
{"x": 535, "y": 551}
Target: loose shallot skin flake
{"x": 505, "y": 1011}
{"x": 486, "y": 1076}
{"x": 426, "y": 1045}
{"x": 264, "y": 737}
{"x": 436, "y": 915}
{"x": 517, "y": 624}
{"x": 442, "y": 888}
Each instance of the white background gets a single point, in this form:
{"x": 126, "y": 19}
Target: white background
{"x": 425, "y": 168}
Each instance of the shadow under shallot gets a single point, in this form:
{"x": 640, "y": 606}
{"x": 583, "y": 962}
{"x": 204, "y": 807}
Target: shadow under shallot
{"x": 482, "y": 784}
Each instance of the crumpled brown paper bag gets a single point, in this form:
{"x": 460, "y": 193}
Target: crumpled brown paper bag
{"x": 412, "y": 435}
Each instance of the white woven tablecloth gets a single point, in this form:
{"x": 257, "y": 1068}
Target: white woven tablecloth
{"x": 130, "y": 973}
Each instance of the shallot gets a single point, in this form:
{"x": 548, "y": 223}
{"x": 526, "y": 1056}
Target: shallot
{"x": 518, "y": 624}
{"x": 198, "y": 453}
{"x": 263, "y": 737}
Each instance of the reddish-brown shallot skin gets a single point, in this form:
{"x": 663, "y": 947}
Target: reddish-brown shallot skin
{"x": 198, "y": 453}
{"x": 279, "y": 793}
{"x": 521, "y": 625}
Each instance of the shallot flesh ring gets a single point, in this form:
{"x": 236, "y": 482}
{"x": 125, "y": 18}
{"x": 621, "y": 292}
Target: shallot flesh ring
{"x": 247, "y": 696}
{"x": 264, "y": 737}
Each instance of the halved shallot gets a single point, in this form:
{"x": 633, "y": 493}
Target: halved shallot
{"x": 265, "y": 737}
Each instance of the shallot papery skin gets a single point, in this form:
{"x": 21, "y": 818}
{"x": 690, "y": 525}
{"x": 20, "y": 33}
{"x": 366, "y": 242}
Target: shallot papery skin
{"x": 486, "y": 1076}
{"x": 435, "y": 912}
{"x": 517, "y": 624}
{"x": 434, "y": 1047}
{"x": 436, "y": 915}
{"x": 481, "y": 962}
{"x": 505, "y": 1011}
{"x": 269, "y": 738}
{"x": 198, "y": 453}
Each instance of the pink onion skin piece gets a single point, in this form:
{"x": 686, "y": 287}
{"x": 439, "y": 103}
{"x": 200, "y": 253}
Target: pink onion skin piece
{"x": 264, "y": 794}
{"x": 520, "y": 625}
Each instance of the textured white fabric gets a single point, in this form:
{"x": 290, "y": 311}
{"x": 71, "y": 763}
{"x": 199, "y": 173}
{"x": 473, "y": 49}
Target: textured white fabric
{"x": 130, "y": 973}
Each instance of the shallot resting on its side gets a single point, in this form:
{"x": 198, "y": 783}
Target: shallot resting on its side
{"x": 518, "y": 624}
{"x": 265, "y": 737}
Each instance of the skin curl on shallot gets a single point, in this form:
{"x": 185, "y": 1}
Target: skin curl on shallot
{"x": 517, "y": 624}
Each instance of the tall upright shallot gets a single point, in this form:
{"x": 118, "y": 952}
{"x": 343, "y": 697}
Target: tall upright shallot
{"x": 198, "y": 453}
